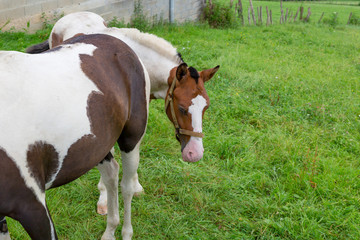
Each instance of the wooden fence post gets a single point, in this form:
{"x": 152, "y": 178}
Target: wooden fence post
{"x": 240, "y": 11}
{"x": 267, "y": 16}
{"x": 282, "y": 13}
{"x": 308, "y": 15}
{"x": 252, "y": 12}
{"x": 287, "y": 14}
{"x": 260, "y": 15}
{"x": 271, "y": 17}
{"x": 322, "y": 15}
{"x": 301, "y": 12}
{"x": 297, "y": 12}
{"x": 349, "y": 18}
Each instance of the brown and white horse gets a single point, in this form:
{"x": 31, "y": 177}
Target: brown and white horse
{"x": 62, "y": 111}
{"x": 188, "y": 99}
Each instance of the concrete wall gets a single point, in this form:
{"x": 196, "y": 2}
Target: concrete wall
{"x": 26, "y": 14}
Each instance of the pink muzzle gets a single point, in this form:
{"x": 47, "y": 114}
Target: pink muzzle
{"x": 193, "y": 150}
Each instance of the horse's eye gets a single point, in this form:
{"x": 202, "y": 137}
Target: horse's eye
{"x": 183, "y": 111}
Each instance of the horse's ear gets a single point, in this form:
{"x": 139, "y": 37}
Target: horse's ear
{"x": 181, "y": 71}
{"x": 209, "y": 73}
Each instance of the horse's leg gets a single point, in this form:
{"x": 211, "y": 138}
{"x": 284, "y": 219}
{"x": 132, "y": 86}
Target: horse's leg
{"x": 4, "y": 233}
{"x": 36, "y": 220}
{"x": 102, "y": 202}
{"x": 109, "y": 170}
{"x": 129, "y": 186}
{"x": 23, "y": 199}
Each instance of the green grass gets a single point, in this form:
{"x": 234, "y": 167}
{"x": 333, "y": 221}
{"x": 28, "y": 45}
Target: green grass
{"x": 282, "y": 141}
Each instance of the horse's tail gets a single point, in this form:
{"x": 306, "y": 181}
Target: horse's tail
{"x": 38, "y": 48}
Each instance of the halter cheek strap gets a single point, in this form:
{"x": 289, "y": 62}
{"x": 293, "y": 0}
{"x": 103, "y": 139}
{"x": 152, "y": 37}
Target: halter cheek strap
{"x": 3, "y": 226}
{"x": 178, "y": 130}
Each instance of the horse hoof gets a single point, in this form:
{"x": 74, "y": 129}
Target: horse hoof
{"x": 102, "y": 210}
{"x": 107, "y": 238}
{"x": 139, "y": 194}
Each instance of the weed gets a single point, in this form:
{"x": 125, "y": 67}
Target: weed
{"x": 115, "y": 22}
{"x": 47, "y": 25}
{"x": 138, "y": 19}
{"x": 310, "y": 167}
{"x": 4, "y": 25}
{"x": 332, "y": 20}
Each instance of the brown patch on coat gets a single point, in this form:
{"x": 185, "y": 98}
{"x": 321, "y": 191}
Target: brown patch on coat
{"x": 118, "y": 113}
{"x": 78, "y": 35}
{"x": 56, "y": 40}
{"x": 12, "y": 184}
{"x": 43, "y": 161}
{"x": 19, "y": 202}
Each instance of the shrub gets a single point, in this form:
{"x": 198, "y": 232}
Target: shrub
{"x": 219, "y": 16}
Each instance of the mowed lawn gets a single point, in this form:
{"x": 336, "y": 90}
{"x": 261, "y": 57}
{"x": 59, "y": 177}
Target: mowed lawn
{"x": 282, "y": 140}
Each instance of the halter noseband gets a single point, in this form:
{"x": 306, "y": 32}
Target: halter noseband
{"x": 178, "y": 130}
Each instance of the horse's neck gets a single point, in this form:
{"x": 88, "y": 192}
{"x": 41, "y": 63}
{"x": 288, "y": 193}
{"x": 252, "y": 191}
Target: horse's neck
{"x": 159, "y": 70}
{"x": 157, "y": 65}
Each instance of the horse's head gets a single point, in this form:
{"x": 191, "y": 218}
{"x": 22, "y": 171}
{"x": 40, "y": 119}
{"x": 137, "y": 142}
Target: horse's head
{"x": 185, "y": 104}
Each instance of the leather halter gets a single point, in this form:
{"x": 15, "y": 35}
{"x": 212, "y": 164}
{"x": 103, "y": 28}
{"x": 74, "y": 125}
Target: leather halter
{"x": 178, "y": 130}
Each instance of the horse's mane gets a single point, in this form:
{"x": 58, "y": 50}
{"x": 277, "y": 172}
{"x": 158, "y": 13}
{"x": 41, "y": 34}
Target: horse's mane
{"x": 153, "y": 42}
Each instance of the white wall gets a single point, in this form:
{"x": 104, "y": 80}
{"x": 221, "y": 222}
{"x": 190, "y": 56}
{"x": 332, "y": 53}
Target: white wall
{"x": 22, "y": 13}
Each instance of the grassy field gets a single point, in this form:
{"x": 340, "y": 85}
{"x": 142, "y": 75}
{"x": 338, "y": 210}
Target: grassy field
{"x": 282, "y": 140}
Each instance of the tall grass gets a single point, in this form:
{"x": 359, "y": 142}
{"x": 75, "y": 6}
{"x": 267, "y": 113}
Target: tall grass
{"x": 282, "y": 142}
{"x": 317, "y": 8}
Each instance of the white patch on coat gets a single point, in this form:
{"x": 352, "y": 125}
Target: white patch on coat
{"x": 45, "y": 99}
{"x": 194, "y": 149}
{"x": 196, "y": 109}
{"x": 147, "y": 87}
{"x": 151, "y": 41}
